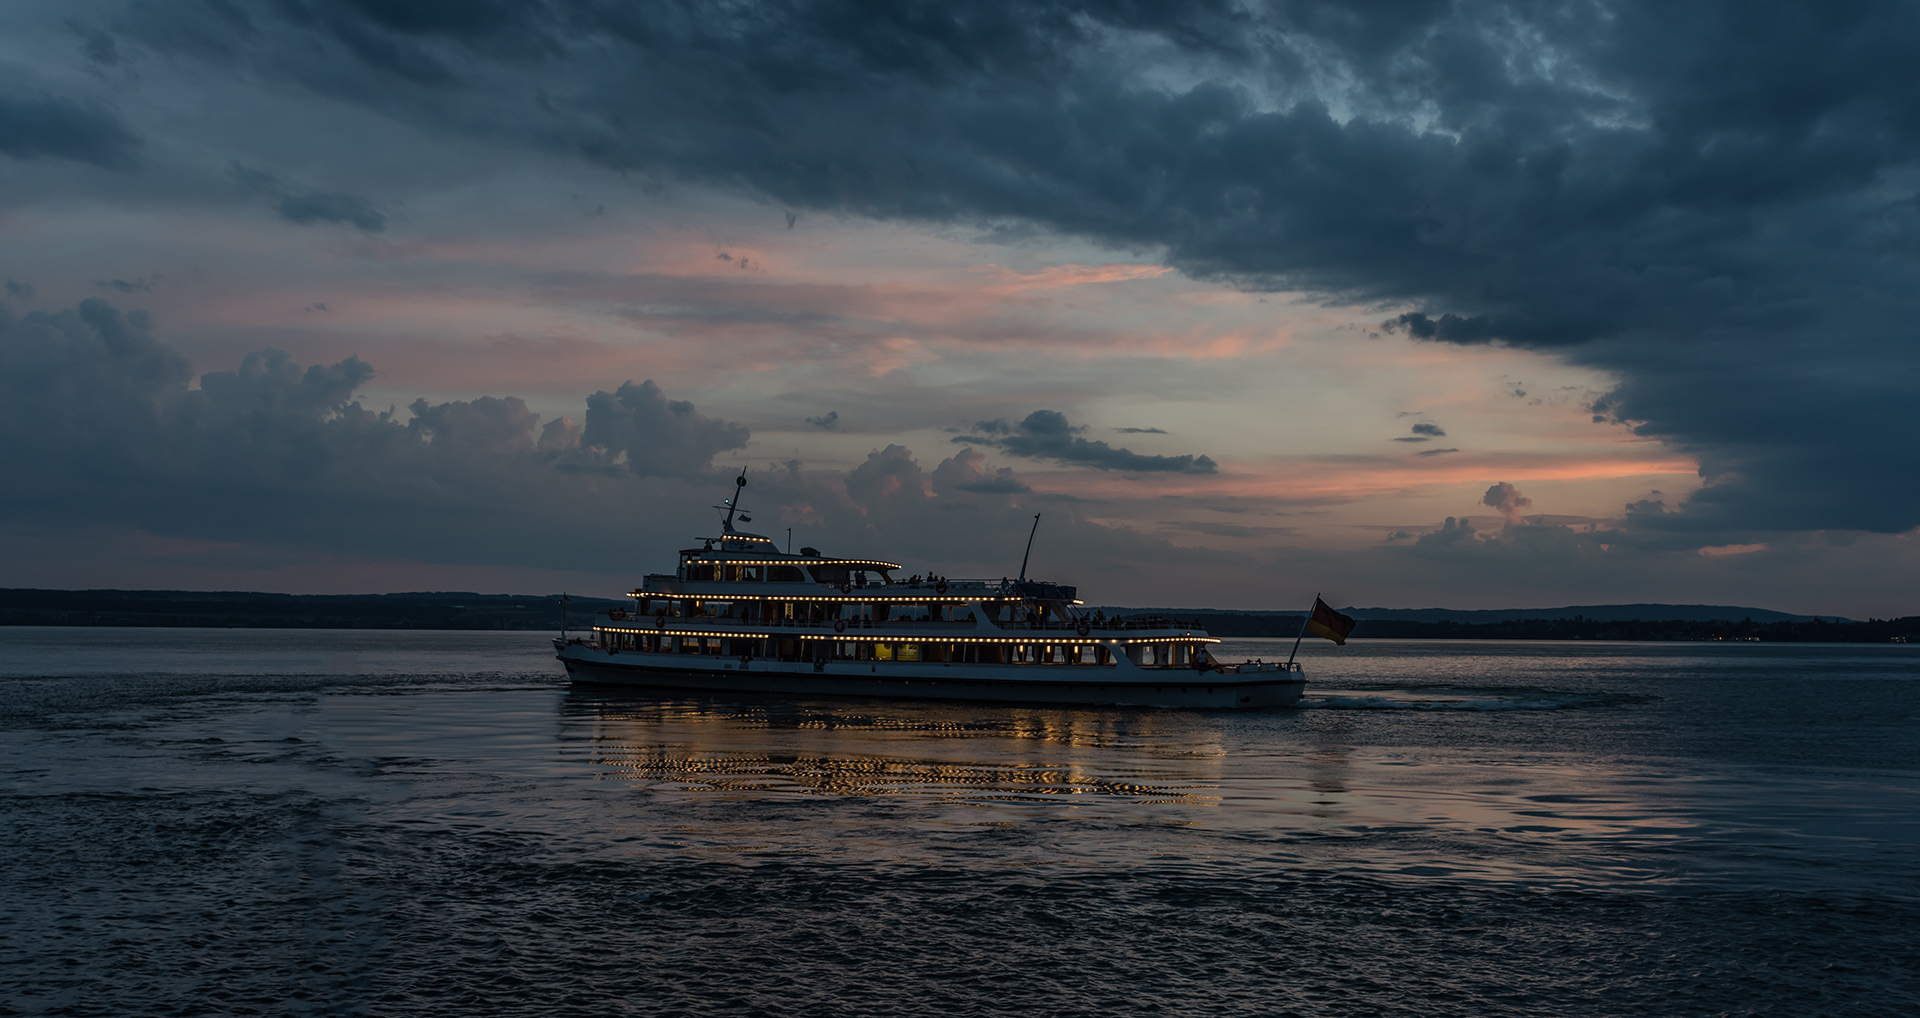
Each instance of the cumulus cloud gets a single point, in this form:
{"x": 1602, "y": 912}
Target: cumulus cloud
{"x": 1047, "y": 434}
{"x": 966, "y": 471}
{"x": 1706, "y": 204}
{"x": 968, "y": 516}
{"x": 283, "y": 453}
{"x": 830, "y": 421}
{"x": 115, "y": 431}
{"x": 1506, "y": 499}
{"x": 653, "y": 436}
{"x": 1451, "y": 533}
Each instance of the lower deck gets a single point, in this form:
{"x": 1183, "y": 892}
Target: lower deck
{"x": 1117, "y": 683}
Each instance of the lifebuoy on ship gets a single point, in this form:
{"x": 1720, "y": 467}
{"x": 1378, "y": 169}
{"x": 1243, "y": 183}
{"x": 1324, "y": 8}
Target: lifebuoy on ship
{"x": 941, "y": 587}
{"x": 846, "y": 588}
{"x": 1083, "y": 629}
{"x": 840, "y": 625}
{"x": 660, "y": 622}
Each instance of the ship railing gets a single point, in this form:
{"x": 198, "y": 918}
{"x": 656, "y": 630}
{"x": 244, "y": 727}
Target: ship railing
{"x": 935, "y": 586}
{"x": 963, "y": 625}
{"x": 932, "y": 585}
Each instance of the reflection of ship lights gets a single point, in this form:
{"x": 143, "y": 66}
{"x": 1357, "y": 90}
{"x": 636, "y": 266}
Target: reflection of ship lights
{"x": 1030, "y": 757}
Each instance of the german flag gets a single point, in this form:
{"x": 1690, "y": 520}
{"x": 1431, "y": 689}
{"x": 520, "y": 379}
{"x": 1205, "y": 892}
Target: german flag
{"x": 1329, "y": 624}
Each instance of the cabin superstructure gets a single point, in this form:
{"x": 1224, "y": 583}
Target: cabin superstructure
{"x": 738, "y": 613}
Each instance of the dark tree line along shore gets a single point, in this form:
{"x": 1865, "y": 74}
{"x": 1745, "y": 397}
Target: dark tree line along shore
{"x": 242, "y": 610}
{"x": 248, "y": 610}
{"x": 1872, "y": 631}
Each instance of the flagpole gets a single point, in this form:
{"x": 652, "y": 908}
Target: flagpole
{"x": 1303, "y": 633}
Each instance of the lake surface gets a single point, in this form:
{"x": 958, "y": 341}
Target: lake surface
{"x": 323, "y": 822}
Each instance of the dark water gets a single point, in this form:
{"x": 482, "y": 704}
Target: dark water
{"x": 299, "y": 822}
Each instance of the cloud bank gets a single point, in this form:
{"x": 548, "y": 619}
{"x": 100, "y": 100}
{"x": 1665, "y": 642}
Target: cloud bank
{"x": 124, "y": 433}
{"x": 1713, "y": 206}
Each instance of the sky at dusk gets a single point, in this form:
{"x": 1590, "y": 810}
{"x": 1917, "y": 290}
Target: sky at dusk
{"x": 1474, "y": 305}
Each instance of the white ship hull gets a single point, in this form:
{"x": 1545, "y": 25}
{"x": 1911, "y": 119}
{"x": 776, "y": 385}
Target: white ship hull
{"x": 1119, "y": 684}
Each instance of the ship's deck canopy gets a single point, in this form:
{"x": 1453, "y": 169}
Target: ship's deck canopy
{"x": 753, "y": 550}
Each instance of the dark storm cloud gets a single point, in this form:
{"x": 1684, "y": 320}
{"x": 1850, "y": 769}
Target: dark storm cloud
{"x": 96, "y": 43}
{"x": 40, "y": 126}
{"x": 1714, "y": 203}
{"x": 303, "y": 207}
{"x": 1046, "y": 434}
{"x": 322, "y": 207}
{"x": 136, "y": 286}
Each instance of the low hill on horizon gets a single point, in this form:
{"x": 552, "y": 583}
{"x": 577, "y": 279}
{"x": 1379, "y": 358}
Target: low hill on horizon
{"x": 258, "y": 610}
{"x": 1642, "y": 612}
{"x": 466, "y": 610}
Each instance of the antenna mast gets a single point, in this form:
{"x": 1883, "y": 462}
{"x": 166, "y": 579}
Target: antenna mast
{"x": 1029, "y": 554}
{"x": 732, "y": 505}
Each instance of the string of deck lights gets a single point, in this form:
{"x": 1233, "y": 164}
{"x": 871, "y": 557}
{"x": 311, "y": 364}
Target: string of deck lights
{"x": 860, "y": 562}
{"x": 738, "y": 634}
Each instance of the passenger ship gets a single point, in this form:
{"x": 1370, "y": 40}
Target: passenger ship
{"x": 738, "y": 615}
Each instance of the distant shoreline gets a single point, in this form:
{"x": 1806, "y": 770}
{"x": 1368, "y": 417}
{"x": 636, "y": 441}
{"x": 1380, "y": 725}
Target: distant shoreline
{"x": 1905, "y": 630}
{"x": 459, "y": 610}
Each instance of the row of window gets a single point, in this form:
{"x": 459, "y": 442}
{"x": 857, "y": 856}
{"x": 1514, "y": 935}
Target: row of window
{"x": 788, "y": 649}
{"x": 814, "y": 611}
{"x": 734, "y": 572}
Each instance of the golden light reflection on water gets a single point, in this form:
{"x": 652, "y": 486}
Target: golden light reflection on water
{"x": 939, "y": 753}
{"x": 1297, "y": 791}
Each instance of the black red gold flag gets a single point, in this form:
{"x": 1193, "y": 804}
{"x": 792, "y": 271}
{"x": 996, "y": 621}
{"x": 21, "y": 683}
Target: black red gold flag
{"x": 1328, "y": 623}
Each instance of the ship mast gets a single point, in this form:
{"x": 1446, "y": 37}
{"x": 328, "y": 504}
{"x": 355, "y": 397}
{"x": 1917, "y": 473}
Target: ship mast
{"x": 732, "y": 506}
{"x": 1029, "y": 554}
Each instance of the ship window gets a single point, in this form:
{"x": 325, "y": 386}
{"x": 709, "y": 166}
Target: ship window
{"x": 829, "y": 573}
{"x": 909, "y": 652}
{"x": 883, "y": 652}
{"x": 787, "y": 574}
